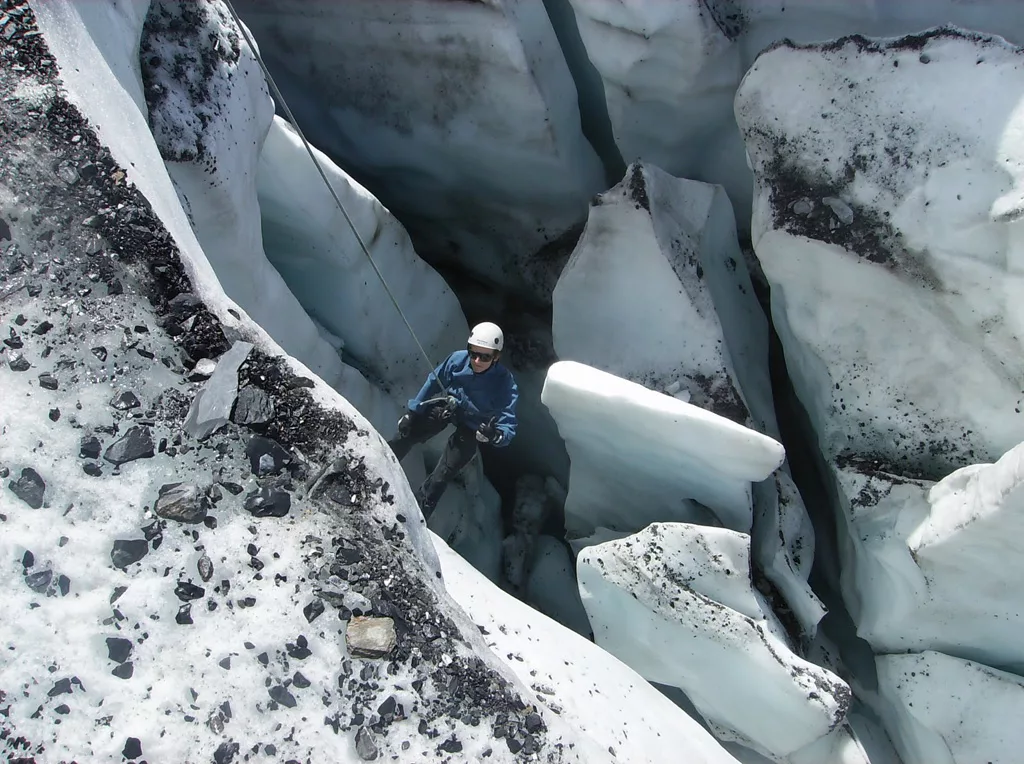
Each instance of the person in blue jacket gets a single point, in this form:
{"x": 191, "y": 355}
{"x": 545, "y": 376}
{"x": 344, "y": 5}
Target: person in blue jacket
{"x": 472, "y": 390}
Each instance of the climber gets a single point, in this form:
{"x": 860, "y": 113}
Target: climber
{"x": 470, "y": 390}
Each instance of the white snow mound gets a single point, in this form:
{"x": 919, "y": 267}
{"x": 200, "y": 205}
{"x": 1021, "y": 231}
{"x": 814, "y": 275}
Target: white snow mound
{"x": 945, "y": 710}
{"x": 624, "y": 717}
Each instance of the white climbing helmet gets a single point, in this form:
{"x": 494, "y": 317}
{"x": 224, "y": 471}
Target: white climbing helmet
{"x": 487, "y": 335}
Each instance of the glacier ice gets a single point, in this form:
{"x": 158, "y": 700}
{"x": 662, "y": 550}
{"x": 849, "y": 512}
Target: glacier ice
{"x": 933, "y": 566}
{"x": 640, "y": 456}
{"x": 210, "y": 109}
{"x": 461, "y": 117}
{"x": 552, "y": 587}
{"x": 782, "y": 546}
{"x": 308, "y": 240}
{"x": 657, "y": 291}
{"x": 669, "y": 70}
{"x": 891, "y": 324}
{"x": 675, "y": 603}
{"x": 945, "y": 710}
{"x": 623, "y": 716}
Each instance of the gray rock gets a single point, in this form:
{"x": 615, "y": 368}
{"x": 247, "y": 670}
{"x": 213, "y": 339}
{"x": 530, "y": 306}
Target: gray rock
{"x": 89, "y": 447}
{"x": 119, "y": 649}
{"x": 370, "y": 637}
{"x": 840, "y": 208}
{"x": 18, "y": 362}
{"x": 183, "y": 502}
{"x": 365, "y": 745}
{"x": 212, "y": 407}
{"x": 281, "y": 695}
{"x": 30, "y": 488}
{"x": 137, "y": 443}
{"x": 127, "y": 551}
{"x": 125, "y": 401}
{"x": 47, "y": 381}
{"x": 68, "y": 173}
{"x": 266, "y": 456}
{"x": 253, "y": 407}
{"x": 268, "y": 502}
{"x": 204, "y": 368}
{"x": 205, "y": 568}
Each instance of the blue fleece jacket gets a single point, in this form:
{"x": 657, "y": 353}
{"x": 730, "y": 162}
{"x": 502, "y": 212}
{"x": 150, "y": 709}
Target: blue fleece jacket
{"x": 492, "y": 393}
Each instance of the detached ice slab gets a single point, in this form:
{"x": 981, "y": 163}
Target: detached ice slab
{"x": 638, "y": 456}
{"x": 938, "y": 566}
{"x": 889, "y": 192}
{"x": 951, "y": 711}
{"x": 675, "y": 603}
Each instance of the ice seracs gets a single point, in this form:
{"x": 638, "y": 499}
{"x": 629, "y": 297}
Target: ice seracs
{"x": 640, "y": 456}
{"x": 887, "y": 237}
{"x": 933, "y": 566}
{"x": 657, "y": 291}
{"x": 945, "y": 710}
{"x": 675, "y": 603}
{"x": 310, "y": 243}
{"x": 209, "y": 109}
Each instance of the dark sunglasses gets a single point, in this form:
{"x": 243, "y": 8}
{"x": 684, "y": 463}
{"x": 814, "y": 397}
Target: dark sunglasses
{"x": 477, "y": 356}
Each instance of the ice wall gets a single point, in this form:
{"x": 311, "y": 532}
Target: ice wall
{"x": 890, "y": 238}
{"x": 461, "y": 117}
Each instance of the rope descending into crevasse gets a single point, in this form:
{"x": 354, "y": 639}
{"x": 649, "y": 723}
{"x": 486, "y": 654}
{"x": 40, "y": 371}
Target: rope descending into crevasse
{"x": 309, "y": 150}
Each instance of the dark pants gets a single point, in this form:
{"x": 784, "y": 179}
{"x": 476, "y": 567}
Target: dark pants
{"x": 458, "y": 452}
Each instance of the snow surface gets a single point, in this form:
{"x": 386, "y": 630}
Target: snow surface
{"x": 461, "y": 117}
{"x": 888, "y": 237}
{"x": 624, "y": 715}
{"x": 640, "y": 456}
{"x": 658, "y": 292}
{"x": 675, "y": 603}
{"x": 950, "y": 711}
{"x": 936, "y": 566}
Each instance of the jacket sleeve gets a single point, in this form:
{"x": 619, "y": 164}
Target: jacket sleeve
{"x": 507, "y": 419}
{"x": 431, "y": 388}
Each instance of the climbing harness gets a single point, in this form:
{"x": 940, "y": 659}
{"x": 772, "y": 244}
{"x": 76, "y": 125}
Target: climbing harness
{"x": 309, "y": 150}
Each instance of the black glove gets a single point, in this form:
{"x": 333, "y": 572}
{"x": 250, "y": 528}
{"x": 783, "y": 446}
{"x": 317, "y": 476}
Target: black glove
{"x": 444, "y": 410}
{"x": 488, "y": 433}
{"x": 405, "y": 425}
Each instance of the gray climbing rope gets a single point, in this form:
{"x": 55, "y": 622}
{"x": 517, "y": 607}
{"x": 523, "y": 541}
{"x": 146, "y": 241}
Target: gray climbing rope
{"x": 309, "y": 150}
